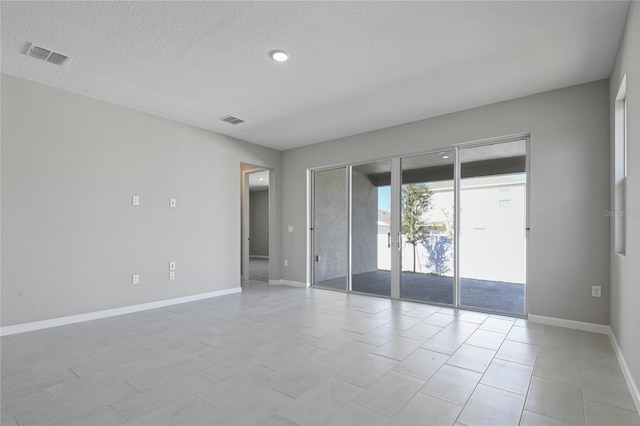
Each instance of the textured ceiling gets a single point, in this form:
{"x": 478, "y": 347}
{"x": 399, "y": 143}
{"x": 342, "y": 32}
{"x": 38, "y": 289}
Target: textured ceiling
{"x": 354, "y": 67}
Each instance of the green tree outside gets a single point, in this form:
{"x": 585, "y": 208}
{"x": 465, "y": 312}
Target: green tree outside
{"x": 416, "y": 201}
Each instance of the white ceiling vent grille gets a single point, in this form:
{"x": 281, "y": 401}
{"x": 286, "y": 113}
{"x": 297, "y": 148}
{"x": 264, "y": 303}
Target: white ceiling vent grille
{"x": 231, "y": 119}
{"x": 46, "y": 55}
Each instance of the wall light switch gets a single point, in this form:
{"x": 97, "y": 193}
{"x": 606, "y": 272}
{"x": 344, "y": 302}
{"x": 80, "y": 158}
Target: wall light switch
{"x": 172, "y": 202}
{"x": 172, "y": 266}
{"x": 290, "y": 228}
{"x": 596, "y": 291}
{"x": 286, "y": 262}
{"x": 135, "y": 279}
{"x": 172, "y": 275}
{"x": 135, "y": 200}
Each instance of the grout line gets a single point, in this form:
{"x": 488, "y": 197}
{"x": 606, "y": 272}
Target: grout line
{"x": 117, "y": 413}
{"x": 76, "y": 374}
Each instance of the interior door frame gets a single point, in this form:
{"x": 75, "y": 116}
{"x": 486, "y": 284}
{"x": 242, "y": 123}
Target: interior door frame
{"x": 245, "y": 217}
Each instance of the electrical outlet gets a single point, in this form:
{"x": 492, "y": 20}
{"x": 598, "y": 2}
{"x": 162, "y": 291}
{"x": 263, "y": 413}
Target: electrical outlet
{"x": 172, "y": 275}
{"x": 596, "y": 291}
{"x": 172, "y": 202}
{"x": 290, "y": 228}
{"x": 286, "y": 262}
{"x": 135, "y": 279}
{"x": 172, "y": 266}
{"x": 135, "y": 200}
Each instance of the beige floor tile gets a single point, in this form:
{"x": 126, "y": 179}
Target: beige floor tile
{"x": 422, "y": 332}
{"x": 607, "y": 389}
{"x": 445, "y": 342}
{"x": 398, "y": 348}
{"x": 472, "y": 357}
{"x": 561, "y": 369}
{"x": 486, "y": 339}
{"x": 461, "y": 327}
{"x": 532, "y": 336}
{"x": 438, "y": 319}
{"x": 321, "y": 402}
{"x": 390, "y": 393}
{"x": 473, "y": 317}
{"x": 498, "y": 325}
{"x": 366, "y": 370}
{"x": 424, "y": 409}
{"x": 558, "y": 400}
{"x": 452, "y": 384}
{"x": 491, "y": 406}
{"x": 356, "y": 414}
{"x": 378, "y": 336}
{"x": 277, "y": 355}
{"x": 509, "y": 376}
{"x": 522, "y": 353}
{"x": 422, "y": 363}
{"x": 348, "y": 353}
{"x": 529, "y": 418}
{"x": 600, "y": 414}
{"x": 191, "y": 412}
{"x": 100, "y": 416}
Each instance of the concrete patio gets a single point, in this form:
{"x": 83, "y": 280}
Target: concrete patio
{"x": 495, "y": 296}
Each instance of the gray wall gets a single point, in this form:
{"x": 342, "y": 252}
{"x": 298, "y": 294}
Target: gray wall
{"x": 71, "y": 238}
{"x": 569, "y": 187}
{"x": 364, "y": 232}
{"x": 259, "y": 223}
{"x": 625, "y": 270}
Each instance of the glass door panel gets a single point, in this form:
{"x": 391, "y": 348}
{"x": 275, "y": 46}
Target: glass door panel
{"x": 330, "y": 229}
{"x": 427, "y": 225}
{"x": 492, "y": 234}
{"x": 371, "y": 228}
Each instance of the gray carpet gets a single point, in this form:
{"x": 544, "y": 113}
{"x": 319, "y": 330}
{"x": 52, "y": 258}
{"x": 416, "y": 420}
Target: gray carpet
{"x": 489, "y": 295}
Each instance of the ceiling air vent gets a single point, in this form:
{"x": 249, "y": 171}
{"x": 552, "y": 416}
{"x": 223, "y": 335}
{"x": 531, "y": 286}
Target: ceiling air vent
{"x": 46, "y": 55}
{"x": 231, "y": 119}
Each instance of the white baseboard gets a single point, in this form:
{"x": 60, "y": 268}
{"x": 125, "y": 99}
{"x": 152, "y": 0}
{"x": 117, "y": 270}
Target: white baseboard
{"x": 289, "y": 283}
{"x": 578, "y": 325}
{"x": 633, "y": 386}
{"x": 55, "y": 322}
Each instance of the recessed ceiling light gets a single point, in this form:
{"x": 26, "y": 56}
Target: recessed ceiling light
{"x": 279, "y": 55}
{"x": 260, "y": 178}
{"x": 445, "y": 156}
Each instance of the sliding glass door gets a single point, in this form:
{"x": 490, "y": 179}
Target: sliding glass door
{"x": 492, "y": 233}
{"x": 427, "y": 226}
{"x": 447, "y": 227}
{"x": 371, "y": 228}
{"x": 330, "y": 229}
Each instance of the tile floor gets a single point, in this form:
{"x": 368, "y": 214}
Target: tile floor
{"x": 277, "y": 355}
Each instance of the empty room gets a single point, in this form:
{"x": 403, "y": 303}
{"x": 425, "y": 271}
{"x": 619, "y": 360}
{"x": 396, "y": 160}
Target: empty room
{"x": 320, "y": 213}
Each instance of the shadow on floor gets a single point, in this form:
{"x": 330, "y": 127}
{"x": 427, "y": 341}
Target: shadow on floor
{"x": 490, "y": 295}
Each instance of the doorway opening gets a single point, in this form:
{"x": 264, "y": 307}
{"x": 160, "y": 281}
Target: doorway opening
{"x": 255, "y": 223}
